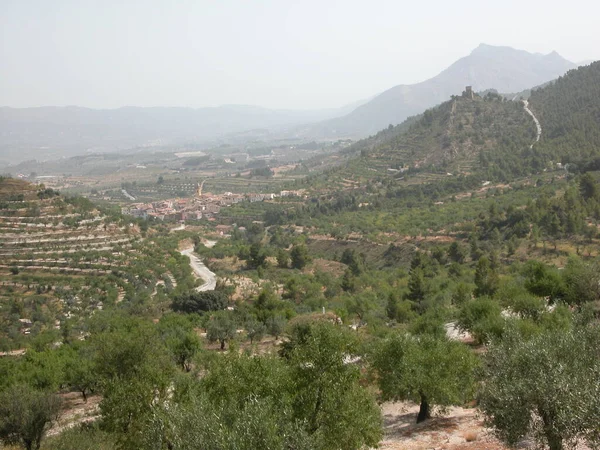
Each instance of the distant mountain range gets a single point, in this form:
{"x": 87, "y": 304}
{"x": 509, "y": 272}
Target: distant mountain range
{"x": 487, "y": 67}
{"x": 53, "y": 132}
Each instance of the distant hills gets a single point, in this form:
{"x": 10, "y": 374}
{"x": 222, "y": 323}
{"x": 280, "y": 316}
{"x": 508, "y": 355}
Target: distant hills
{"x": 47, "y": 133}
{"x": 53, "y": 132}
{"x": 487, "y": 67}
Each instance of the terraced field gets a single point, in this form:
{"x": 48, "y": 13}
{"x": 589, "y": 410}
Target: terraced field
{"x": 61, "y": 259}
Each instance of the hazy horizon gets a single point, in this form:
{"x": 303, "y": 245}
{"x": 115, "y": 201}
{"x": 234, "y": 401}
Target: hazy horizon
{"x": 272, "y": 54}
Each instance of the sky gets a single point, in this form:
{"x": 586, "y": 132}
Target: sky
{"x": 284, "y": 54}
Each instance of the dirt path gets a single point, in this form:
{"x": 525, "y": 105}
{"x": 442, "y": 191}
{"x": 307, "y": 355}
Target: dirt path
{"x": 178, "y": 228}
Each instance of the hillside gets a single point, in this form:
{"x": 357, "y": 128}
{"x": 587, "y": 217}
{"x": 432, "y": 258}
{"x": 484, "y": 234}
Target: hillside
{"x": 487, "y": 67}
{"x": 569, "y": 111}
{"x": 455, "y": 138}
{"x": 62, "y": 259}
{"x": 489, "y": 137}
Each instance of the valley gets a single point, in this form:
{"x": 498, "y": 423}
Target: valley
{"x": 432, "y": 285}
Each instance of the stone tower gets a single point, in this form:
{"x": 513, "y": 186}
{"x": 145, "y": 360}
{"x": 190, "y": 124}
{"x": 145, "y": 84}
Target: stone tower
{"x": 468, "y": 92}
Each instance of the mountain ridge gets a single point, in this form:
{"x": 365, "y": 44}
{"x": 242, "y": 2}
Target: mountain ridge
{"x": 487, "y": 67}
{"x": 485, "y": 137}
{"x": 52, "y": 132}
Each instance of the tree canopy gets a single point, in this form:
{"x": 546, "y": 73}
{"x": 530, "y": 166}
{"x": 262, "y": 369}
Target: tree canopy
{"x": 425, "y": 369}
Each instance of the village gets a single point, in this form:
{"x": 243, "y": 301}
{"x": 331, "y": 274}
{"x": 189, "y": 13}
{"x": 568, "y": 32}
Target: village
{"x": 201, "y": 206}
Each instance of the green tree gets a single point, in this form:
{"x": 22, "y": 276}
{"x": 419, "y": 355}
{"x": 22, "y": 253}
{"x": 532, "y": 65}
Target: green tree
{"x": 184, "y": 348}
{"x": 338, "y": 412}
{"x": 283, "y": 259}
{"x": 425, "y": 369}
{"x": 354, "y": 261}
{"x": 220, "y": 327}
{"x": 300, "y": 256}
{"x": 543, "y": 280}
{"x": 275, "y": 325}
{"x": 254, "y": 329}
{"x": 43, "y": 370}
{"x": 581, "y": 282}
{"x": 588, "y": 187}
{"x": 267, "y": 304}
{"x": 417, "y": 287}
{"x": 349, "y": 283}
{"x": 259, "y": 423}
{"x": 462, "y": 294}
{"x": 127, "y": 347}
{"x": 244, "y": 403}
{"x": 180, "y": 338}
{"x": 80, "y": 371}
{"x": 391, "y": 308}
{"x": 131, "y": 409}
{"x": 26, "y": 414}
{"x": 360, "y": 305}
{"x": 256, "y": 257}
{"x": 546, "y": 387}
{"x": 431, "y": 323}
{"x": 457, "y": 253}
{"x": 486, "y": 278}
{"x": 196, "y": 302}
{"x": 482, "y": 318}
{"x": 135, "y": 371}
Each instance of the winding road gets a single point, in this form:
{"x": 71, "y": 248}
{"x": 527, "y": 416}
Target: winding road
{"x": 128, "y": 195}
{"x": 537, "y": 122}
{"x": 210, "y": 278}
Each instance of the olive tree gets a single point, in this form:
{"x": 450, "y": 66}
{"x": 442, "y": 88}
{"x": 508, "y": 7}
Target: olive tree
{"x": 581, "y": 281}
{"x": 425, "y": 369}
{"x": 80, "y": 373}
{"x": 177, "y": 333}
{"x": 254, "y": 329}
{"x": 327, "y": 396}
{"x": 25, "y": 415}
{"x": 482, "y": 318}
{"x": 220, "y": 327}
{"x": 546, "y": 388}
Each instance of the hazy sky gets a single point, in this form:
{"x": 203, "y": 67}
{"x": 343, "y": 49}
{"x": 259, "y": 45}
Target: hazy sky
{"x": 274, "y": 53}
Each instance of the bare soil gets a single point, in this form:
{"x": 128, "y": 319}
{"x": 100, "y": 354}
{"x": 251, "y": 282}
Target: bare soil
{"x": 75, "y": 411}
{"x": 458, "y": 429}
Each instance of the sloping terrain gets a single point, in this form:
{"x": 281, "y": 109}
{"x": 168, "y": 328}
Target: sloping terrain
{"x": 569, "y": 111}
{"x": 62, "y": 258}
{"x": 489, "y": 137}
{"x": 449, "y": 140}
{"x": 487, "y": 67}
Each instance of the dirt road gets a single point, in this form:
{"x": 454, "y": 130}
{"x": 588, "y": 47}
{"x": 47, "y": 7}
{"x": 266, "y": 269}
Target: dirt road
{"x": 537, "y": 122}
{"x": 210, "y": 279}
